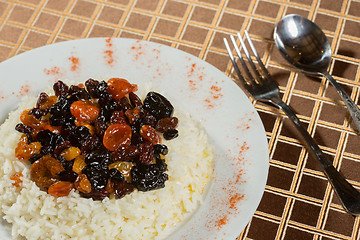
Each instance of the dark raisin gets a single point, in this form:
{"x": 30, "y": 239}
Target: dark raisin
{"x": 60, "y": 113}
{"x": 148, "y": 177}
{"x": 68, "y": 176}
{"x": 149, "y": 120}
{"x": 98, "y": 157}
{"x": 116, "y": 175}
{"x": 48, "y": 141}
{"x": 136, "y": 139}
{"x": 158, "y": 106}
{"x": 37, "y": 112}
{"x": 122, "y": 188}
{"x": 90, "y": 144}
{"x": 124, "y": 153}
{"x": 166, "y": 124}
{"x": 23, "y": 128}
{"x": 42, "y": 98}
{"x": 171, "y": 134}
{"x": 61, "y": 147}
{"x": 79, "y": 135}
{"x": 161, "y": 164}
{"x": 100, "y": 127}
{"x": 78, "y": 93}
{"x": 102, "y": 88}
{"x": 135, "y": 100}
{"x": 65, "y": 163}
{"x": 97, "y": 175}
{"x": 61, "y": 89}
{"x": 96, "y": 195}
{"x": 132, "y": 115}
{"x": 160, "y": 149}
{"x": 118, "y": 117}
{"x": 125, "y": 104}
{"x": 92, "y": 88}
{"x": 146, "y": 153}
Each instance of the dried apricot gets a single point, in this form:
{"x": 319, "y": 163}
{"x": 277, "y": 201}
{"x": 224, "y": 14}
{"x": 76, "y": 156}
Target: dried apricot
{"x": 45, "y": 170}
{"x": 60, "y": 189}
{"x": 16, "y": 178}
{"x": 117, "y": 135}
{"x": 119, "y": 87}
{"x": 85, "y": 111}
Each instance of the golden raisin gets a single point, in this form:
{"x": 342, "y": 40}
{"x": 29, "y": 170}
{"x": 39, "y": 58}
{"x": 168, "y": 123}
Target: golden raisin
{"x": 85, "y": 111}
{"x": 16, "y": 178}
{"x": 117, "y": 135}
{"x": 44, "y": 171}
{"x": 79, "y": 164}
{"x": 149, "y": 133}
{"x": 60, "y": 189}
{"x": 82, "y": 184}
{"x": 132, "y": 115}
{"x": 25, "y": 151}
{"x": 30, "y": 120}
{"x": 123, "y": 167}
{"x": 119, "y": 87}
{"x": 70, "y": 153}
{"x": 48, "y": 102}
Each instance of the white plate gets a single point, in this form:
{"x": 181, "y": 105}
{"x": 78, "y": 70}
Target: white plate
{"x": 232, "y": 123}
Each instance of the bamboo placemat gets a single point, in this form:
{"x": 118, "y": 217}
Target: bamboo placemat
{"x": 298, "y": 202}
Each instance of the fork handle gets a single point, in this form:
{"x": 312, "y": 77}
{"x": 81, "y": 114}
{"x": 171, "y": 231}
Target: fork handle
{"x": 348, "y": 195}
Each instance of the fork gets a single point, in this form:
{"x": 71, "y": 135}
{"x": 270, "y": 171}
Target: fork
{"x": 262, "y": 87}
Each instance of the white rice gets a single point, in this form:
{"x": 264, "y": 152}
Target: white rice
{"x": 34, "y": 214}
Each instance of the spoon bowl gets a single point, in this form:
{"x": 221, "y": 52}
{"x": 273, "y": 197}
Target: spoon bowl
{"x": 304, "y": 45}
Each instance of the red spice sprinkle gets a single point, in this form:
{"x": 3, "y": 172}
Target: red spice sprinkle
{"x": 235, "y": 199}
{"x": 24, "y": 89}
{"x": 52, "y": 71}
{"x": 221, "y": 222}
{"x": 74, "y": 63}
{"x": 138, "y": 50}
{"x": 109, "y": 53}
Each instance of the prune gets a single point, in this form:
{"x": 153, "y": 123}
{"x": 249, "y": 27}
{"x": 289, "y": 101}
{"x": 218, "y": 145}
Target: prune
{"x": 38, "y": 113}
{"x": 166, "y": 124}
{"x": 160, "y": 149}
{"x": 96, "y": 195}
{"x": 171, "y": 134}
{"x": 135, "y": 100}
{"x": 124, "y": 153}
{"x": 66, "y": 175}
{"x": 48, "y": 141}
{"x": 115, "y": 174}
{"x": 78, "y": 93}
{"x": 79, "y": 135}
{"x": 122, "y": 188}
{"x": 146, "y": 153}
{"x": 148, "y": 177}
{"x": 158, "y": 106}
{"x": 61, "y": 89}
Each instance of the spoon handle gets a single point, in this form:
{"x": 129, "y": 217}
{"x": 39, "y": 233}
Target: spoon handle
{"x": 348, "y": 195}
{"x": 352, "y": 107}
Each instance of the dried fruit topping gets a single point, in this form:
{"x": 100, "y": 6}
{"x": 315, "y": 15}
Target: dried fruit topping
{"x": 119, "y": 87}
{"x": 158, "y": 106}
{"x": 166, "y": 124}
{"x": 79, "y": 164}
{"x": 85, "y": 111}
{"x": 149, "y": 133}
{"x": 16, "y": 178}
{"x": 60, "y": 189}
{"x": 99, "y": 139}
{"x": 44, "y": 171}
{"x": 117, "y": 135}
{"x": 171, "y": 134}
{"x": 82, "y": 184}
{"x": 148, "y": 177}
{"x": 25, "y": 151}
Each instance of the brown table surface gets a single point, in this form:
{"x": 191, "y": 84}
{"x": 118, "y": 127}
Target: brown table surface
{"x": 298, "y": 202}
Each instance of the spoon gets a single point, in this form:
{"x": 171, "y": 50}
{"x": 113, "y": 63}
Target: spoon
{"x": 304, "y": 45}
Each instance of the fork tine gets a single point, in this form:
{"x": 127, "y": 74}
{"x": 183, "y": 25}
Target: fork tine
{"x": 233, "y": 61}
{"x": 248, "y": 73}
{"x": 253, "y": 49}
{"x": 258, "y": 76}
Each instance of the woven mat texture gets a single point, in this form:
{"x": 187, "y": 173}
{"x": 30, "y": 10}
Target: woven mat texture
{"x": 298, "y": 202}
